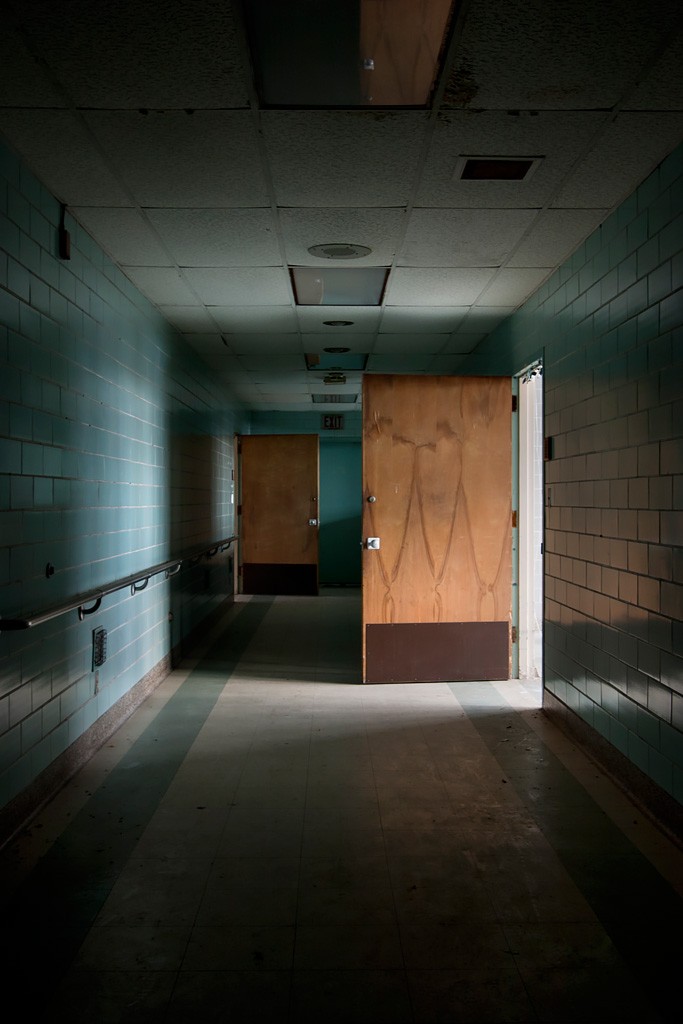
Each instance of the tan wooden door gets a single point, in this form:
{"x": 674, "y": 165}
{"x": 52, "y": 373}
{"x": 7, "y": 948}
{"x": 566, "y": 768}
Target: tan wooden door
{"x": 279, "y": 513}
{"x": 437, "y": 480}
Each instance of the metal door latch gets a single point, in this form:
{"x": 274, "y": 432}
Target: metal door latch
{"x": 373, "y": 543}
{"x": 312, "y": 522}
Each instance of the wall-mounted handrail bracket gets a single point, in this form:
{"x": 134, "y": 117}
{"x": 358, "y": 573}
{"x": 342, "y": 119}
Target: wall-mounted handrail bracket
{"x": 83, "y": 611}
{"x": 136, "y": 581}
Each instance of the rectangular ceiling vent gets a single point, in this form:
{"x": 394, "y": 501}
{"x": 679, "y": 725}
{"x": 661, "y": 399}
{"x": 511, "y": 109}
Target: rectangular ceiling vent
{"x": 496, "y": 168}
{"x": 332, "y": 399}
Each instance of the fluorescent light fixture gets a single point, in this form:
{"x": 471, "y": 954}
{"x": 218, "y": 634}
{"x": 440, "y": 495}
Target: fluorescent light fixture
{"x": 339, "y": 286}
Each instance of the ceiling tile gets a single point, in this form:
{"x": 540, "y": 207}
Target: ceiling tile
{"x": 60, "y": 151}
{"x": 218, "y": 238}
{"x": 243, "y": 287}
{"x": 378, "y": 229}
{"x": 510, "y": 288}
{"x": 255, "y": 319}
{"x": 462, "y": 238}
{"x": 630, "y": 147}
{"x": 463, "y": 342}
{"x": 120, "y": 55}
{"x": 554, "y": 236}
{"x": 24, "y": 81}
{"x": 509, "y": 57}
{"x": 435, "y": 286}
{"x": 125, "y": 236}
{"x": 162, "y": 285}
{"x": 312, "y": 320}
{"x": 447, "y": 362}
{"x": 421, "y": 319}
{"x": 354, "y": 342}
{"x": 256, "y": 343}
{"x": 272, "y": 365}
{"x": 188, "y": 318}
{"x": 345, "y": 158}
{"x": 482, "y": 320}
{"x": 411, "y": 362}
{"x": 556, "y": 136}
{"x": 410, "y": 342}
{"x": 661, "y": 88}
{"x": 172, "y": 158}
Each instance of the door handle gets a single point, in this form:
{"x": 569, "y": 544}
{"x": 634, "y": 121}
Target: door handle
{"x": 373, "y": 543}
{"x": 313, "y": 522}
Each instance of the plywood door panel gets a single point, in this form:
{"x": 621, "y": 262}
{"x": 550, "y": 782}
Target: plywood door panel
{"x": 437, "y": 461}
{"x": 279, "y": 513}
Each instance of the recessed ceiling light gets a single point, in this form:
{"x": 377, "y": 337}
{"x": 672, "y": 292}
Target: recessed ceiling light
{"x": 496, "y": 168}
{"x": 338, "y": 323}
{"x": 339, "y": 286}
{"x": 340, "y": 251}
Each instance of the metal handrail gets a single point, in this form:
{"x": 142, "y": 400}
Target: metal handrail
{"x": 136, "y": 581}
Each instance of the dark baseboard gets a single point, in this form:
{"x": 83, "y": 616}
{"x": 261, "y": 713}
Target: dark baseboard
{"x": 653, "y": 801}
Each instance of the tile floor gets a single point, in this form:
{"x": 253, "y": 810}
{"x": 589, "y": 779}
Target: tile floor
{"x": 267, "y": 840}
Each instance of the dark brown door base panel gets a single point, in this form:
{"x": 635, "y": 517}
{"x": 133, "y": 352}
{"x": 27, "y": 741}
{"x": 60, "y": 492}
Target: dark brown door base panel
{"x": 430, "y": 652}
{"x": 273, "y": 578}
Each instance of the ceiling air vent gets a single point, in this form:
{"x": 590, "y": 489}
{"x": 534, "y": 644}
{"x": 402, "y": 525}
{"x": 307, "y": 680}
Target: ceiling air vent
{"x": 496, "y": 168}
{"x": 332, "y": 399}
{"x": 340, "y": 251}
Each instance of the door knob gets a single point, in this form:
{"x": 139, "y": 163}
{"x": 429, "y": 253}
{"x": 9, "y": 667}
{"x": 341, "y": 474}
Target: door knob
{"x": 312, "y": 522}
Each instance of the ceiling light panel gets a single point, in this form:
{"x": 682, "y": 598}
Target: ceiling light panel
{"x": 339, "y": 286}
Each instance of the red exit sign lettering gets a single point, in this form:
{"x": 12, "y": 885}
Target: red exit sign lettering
{"x": 333, "y": 422}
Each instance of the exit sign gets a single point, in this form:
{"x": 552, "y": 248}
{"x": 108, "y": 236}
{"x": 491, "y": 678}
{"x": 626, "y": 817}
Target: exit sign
{"x": 333, "y": 422}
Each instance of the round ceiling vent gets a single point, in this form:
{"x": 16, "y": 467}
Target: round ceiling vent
{"x": 339, "y": 251}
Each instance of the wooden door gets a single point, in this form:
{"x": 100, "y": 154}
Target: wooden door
{"x": 279, "y": 513}
{"x": 437, "y": 484}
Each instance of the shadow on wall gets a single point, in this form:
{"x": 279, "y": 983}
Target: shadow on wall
{"x": 340, "y": 551}
{"x": 200, "y": 512}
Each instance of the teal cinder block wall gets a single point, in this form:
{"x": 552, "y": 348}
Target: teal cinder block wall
{"x": 340, "y": 488}
{"x": 609, "y": 328}
{"x": 115, "y": 454}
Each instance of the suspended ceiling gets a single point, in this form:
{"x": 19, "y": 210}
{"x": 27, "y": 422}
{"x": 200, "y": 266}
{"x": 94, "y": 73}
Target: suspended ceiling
{"x": 144, "y": 119}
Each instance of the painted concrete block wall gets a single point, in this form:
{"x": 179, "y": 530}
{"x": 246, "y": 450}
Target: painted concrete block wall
{"x": 115, "y": 454}
{"x": 609, "y": 328}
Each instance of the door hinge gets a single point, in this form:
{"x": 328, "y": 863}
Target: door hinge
{"x": 514, "y": 403}
{"x": 513, "y": 634}
{"x": 239, "y": 510}
{"x": 514, "y": 519}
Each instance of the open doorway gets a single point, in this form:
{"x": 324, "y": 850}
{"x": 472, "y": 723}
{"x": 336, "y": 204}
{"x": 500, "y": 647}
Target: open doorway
{"x": 530, "y": 575}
